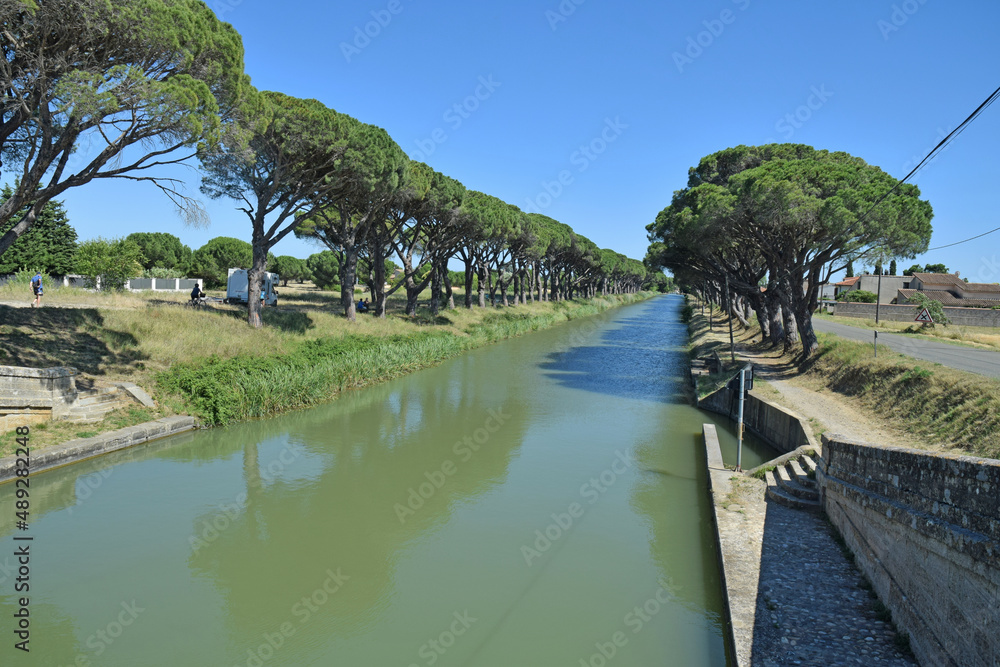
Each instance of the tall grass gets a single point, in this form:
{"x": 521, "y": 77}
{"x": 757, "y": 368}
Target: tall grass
{"x": 251, "y": 385}
{"x": 945, "y": 407}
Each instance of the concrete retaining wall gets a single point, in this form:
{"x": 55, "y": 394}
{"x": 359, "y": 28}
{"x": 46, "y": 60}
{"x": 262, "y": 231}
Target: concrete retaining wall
{"x": 970, "y": 317}
{"x": 782, "y": 429}
{"x": 925, "y": 529}
{"x": 739, "y": 619}
{"x": 85, "y": 448}
{"x": 29, "y": 390}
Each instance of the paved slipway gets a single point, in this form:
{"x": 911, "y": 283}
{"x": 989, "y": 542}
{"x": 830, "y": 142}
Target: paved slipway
{"x": 808, "y": 602}
{"x": 983, "y": 362}
{"x": 789, "y": 581}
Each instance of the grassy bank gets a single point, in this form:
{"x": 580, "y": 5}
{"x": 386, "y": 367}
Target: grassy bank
{"x": 208, "y": 362}
{"x": 241, "y": 387}
{"x": 708, "y": 330}
{"x": 945, "y": 407}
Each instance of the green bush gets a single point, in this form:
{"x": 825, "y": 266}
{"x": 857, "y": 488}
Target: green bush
{"x": 935, "y": 308}
{"x": 858, "y": 296}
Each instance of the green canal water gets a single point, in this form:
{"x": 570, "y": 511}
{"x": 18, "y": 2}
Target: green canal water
{"x": 538, "y": 502}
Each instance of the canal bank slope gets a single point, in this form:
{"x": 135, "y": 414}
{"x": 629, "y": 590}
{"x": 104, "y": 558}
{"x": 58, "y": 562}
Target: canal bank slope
{"x": 218, "y": 390}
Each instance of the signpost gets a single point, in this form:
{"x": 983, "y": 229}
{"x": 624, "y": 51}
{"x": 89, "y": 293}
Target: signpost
{"x": 745, "y": 382}
{"x": 925, "y": 317}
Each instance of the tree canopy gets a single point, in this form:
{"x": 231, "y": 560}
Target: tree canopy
{"x": 143, "y": 82}
{"x": 788, "y": 212}
{"x": 49, "y": 246}
{"x": 161, "y": 250}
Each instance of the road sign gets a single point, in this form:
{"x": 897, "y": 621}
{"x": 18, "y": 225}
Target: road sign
{"x": 924, "y": 316}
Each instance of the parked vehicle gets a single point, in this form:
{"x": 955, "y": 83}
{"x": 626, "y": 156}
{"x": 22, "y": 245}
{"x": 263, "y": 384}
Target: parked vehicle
{"x": 238, "y": 284}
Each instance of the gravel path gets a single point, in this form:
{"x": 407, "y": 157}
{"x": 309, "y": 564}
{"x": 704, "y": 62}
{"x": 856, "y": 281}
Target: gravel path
{"x": 830, "y": 411}
{"x": 811, "y": 607}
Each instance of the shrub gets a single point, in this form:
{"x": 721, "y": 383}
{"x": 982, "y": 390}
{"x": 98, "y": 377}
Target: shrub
{"x": 858, "y": 296}
{"x": 935, "y": 308}
{"x": 112, "y": 261}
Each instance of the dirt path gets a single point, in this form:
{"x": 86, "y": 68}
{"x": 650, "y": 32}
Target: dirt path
{"x": 827, "y": 411}
{"x": 824, "y": 410}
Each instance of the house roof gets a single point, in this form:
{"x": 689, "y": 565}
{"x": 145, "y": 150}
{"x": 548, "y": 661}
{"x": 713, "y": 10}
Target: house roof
{"x": 946, "y": 298}
{"x": 940, "y": 279}
{"x": 983, "y": 290}
{"x": 847, "y": 282}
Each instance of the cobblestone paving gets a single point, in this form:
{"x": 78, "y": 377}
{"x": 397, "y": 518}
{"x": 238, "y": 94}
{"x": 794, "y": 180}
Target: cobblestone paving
{"x": 811, "y": 607}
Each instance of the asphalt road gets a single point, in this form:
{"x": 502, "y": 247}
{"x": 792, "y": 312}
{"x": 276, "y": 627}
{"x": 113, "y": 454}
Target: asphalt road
{"x": 984, "y": 362}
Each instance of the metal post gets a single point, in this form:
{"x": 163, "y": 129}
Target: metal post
{"x": 739, "y": 432}
{"x": 876, "y": 345}
{"x": 878, "y": 297}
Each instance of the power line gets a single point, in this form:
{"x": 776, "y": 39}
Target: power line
{"x": 965, "y": 241}
{"x": 937, "y": 149}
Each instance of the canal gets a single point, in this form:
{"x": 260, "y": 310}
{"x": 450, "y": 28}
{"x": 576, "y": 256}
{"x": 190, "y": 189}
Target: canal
{"x": 537, "y": 502}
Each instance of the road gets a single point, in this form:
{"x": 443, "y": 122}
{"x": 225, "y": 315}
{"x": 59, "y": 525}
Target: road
{"x": 983, "y": 362}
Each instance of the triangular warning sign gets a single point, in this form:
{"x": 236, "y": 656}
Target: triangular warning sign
{"x": 924, "y": 316}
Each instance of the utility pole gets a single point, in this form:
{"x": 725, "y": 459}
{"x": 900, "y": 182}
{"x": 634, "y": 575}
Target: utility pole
{"x": 878, "y": 296}
{"x": 711, "y": 322}
{"x": 739, "y": 432}
{"x": 729, "y": 306}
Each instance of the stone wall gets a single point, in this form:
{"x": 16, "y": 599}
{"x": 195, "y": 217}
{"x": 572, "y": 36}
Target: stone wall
{"x": 971, "y": 317}
{"x": 30, "y": 390}
{"x": 925, "y": 528}
{"x": 778, "y": 427}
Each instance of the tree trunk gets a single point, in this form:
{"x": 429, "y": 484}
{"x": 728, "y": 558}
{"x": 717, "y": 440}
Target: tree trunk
{"x": 378, "y": 282}
{"x": 736, "y": 306}
{"x": 791, "y": 330}
{"x": 350, "y": 278}
{"x": 449, "y": 292}
{"x": 468, "y": 282}
{"x": 255, "y": 278}
{"x": 435, "y": 288}
{"x": 482, "y": 285}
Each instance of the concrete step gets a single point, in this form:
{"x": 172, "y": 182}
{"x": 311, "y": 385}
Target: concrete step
{"x": 808, "y": 463}
{"x": 790, "y": 484}
{"x": 98, "y": 399}
{"x": 799, "y": 475}
{"x": 782, "y": 497}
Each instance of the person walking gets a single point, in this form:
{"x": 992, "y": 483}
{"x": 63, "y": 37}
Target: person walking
{"x": 36, "y": 289}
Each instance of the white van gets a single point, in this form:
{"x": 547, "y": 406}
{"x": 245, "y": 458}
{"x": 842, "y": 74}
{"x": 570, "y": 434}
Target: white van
{"x": 238, "y": 284}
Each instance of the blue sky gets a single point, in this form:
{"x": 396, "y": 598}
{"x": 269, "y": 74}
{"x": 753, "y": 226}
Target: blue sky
{"x": 592, "y": 112}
